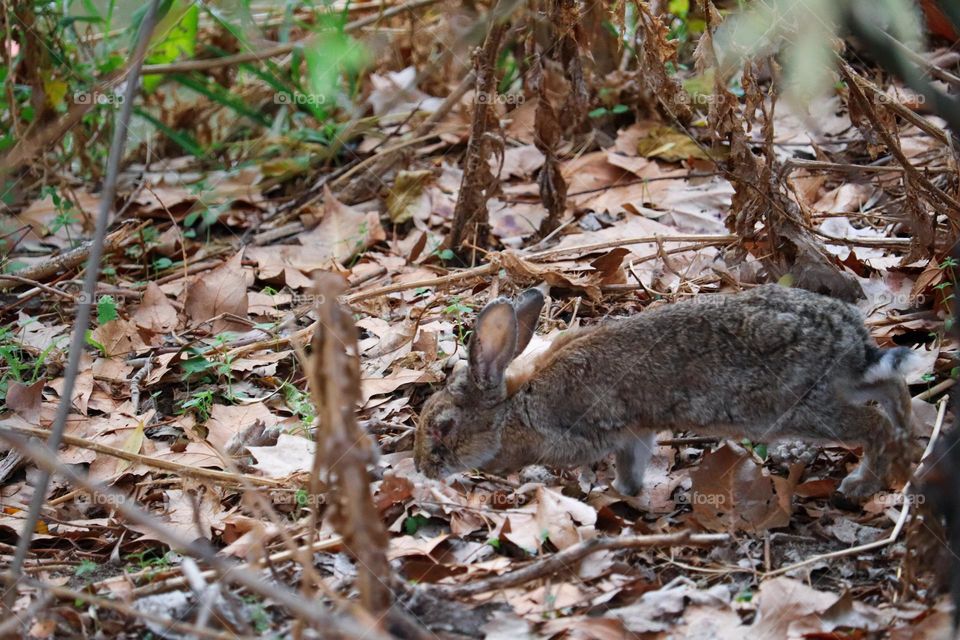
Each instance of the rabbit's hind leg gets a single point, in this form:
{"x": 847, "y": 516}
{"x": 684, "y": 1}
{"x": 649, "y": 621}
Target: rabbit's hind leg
{"x": 632, "y": 461}
{"x": 893, "y": 396}
{"x": 870, "y": 427}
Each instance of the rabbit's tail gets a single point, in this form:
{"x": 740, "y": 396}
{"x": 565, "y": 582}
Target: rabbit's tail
{"x": 887, "y": 364}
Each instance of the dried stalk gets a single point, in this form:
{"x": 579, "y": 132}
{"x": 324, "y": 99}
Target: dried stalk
{"x": 478, "y": 183}
{"x": 343, "y": 450}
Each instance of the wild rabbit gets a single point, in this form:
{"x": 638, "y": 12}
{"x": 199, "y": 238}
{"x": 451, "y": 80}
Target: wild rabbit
{"x": 766, "y": 364}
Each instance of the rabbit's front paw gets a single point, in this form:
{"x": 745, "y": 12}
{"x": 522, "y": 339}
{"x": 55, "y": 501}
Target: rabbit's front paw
{"x": 857, "y": 486}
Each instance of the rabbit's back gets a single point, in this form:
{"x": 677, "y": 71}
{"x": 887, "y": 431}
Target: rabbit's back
{"x": 749, "y": 364}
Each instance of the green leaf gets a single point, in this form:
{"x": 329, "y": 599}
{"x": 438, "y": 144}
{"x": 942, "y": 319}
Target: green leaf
{"x": 761, "y": 450}
{"x": 598, "y": 112}
{"x": 106, "y": 310}
{"x": 93, "y": 343}
{"x": 184, "y": 140}
{"x": 195, "y": 365}
{"x": 302, "y": 497}
{"x": 413, "y": 523}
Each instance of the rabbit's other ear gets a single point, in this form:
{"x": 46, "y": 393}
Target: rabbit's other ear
{"x": 493, "y": 343}
{"x": 528, "y": 307}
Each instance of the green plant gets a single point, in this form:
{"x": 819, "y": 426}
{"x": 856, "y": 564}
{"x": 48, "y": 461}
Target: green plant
{"x": 946, "y": 291}
{"x": 457, "y": 308}
{"x": 90, "y": 340}
{"x": 604, "y": 111}
{"x": 201, "y": 402}
{"x": 17, "y": 363}
{"x": 150, "y": 561}
{"x": 683, "y": 26}
{"x": 760, "y": 448}
{"x": 66, "y": 211}
{"x": 300, "y": 403}
{"x": 445, "y": 255}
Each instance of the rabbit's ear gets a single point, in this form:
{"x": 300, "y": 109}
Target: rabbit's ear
{"x": 493, "y": 343}
{"x": 528, "y": 306}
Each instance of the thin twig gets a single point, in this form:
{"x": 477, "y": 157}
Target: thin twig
{"x": 571, "y": 555}
{"x": 272, "y": 559}
{"x": 89, "y": 290}
{"x": 72, "y": 595}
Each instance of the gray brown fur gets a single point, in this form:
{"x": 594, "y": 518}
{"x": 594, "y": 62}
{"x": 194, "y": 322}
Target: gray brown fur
{"x": 766, "y": 364}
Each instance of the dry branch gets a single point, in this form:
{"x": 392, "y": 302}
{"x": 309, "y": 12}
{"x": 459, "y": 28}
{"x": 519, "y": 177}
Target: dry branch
{"x": 274, "y": 558}
{"x": 65, "y": 261}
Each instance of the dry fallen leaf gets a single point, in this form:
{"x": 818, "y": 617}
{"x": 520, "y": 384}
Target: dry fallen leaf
{"x": 343, "y": 231}
{"x": 730, "y": 493}
{"x": 155, "y": 313}
{"x": 222, "y": 291}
